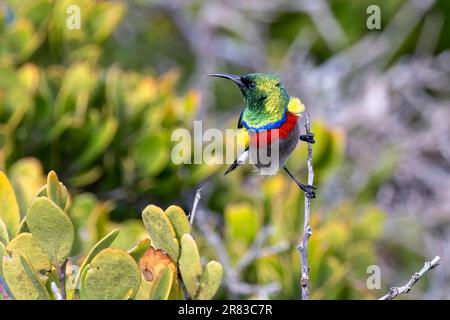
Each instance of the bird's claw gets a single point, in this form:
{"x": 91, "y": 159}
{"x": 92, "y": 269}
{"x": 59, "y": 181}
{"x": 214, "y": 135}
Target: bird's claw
{"x": 309, "y": 191}
{"x": 309, "y": 137}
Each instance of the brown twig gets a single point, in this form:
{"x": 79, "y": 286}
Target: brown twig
{"x": 303, "y": 245}
{"x": 396, "y": 291}
{"x": 61, "y": 271}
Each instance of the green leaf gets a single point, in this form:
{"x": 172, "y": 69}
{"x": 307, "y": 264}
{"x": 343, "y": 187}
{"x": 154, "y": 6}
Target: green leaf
{"x": 161, "y": 286}
{"x": 104, "y": 243}
{"x": 190, "y": 264}
{"x": 24, "y": 244}
{"x": 9, "y": 209}
{"x": 100, "y": 139}
{"x": 52, "y": 228}
{"x": 4, "y": 238}
{"x": 54, "y": 190}
{"x": 112, "y": 275}
{"x": 22, "y": 280}
{"x": 143, "y": 292}
{"x": 162, "y": 233}
{"x": 210, "y": 281}
{"x": 139, "y": 249}
{"x": 179, "y": 221}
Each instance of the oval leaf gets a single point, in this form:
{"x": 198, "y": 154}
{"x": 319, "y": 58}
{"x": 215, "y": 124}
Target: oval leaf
{"x": 52, "y": 228}
{"x": 179, "y": 220}
{"x": 161, "y": 286}
{"x": 22, "y": 280}
{"x": 104, "y": 243}
{"x": 210, "y": 281}
{"x": 24, "y": 244}
{"x": 162, "y": 234}
{"x": 190, "y": 265}
{"x": 9, "y": 209}
{"x": 112, "y": 275}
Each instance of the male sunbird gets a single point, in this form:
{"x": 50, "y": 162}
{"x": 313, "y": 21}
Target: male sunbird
{"x": 269, "y": 112}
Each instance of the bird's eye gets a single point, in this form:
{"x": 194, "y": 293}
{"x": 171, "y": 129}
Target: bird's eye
{"x": 252, "y": 84}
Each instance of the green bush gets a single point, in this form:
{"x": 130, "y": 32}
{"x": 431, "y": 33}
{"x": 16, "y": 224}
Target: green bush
{"x": 35, "y": 250}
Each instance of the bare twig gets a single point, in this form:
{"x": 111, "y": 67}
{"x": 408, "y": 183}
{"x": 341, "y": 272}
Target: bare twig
{"x": 396, "y": 291}
{"x": 198, "y": 196}
{"x": 61, "y": 271}
{"x": 257, "y": 250}
{"x": 303, "y": 245}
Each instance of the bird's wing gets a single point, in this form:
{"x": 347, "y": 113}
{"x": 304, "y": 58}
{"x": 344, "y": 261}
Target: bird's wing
{"x": 295, "y": 106}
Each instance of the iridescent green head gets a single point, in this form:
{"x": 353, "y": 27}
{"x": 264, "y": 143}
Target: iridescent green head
{"x": 265, "y": 98}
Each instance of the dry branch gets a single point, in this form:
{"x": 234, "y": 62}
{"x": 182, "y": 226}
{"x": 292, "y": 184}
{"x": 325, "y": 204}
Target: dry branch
{"x": 303, "y": 245}
{"x": 396, "y": 291}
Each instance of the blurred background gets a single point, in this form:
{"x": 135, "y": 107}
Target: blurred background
{"x": 98, "y": 105}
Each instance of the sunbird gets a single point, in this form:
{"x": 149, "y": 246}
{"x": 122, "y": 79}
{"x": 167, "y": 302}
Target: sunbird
{"x": 269, "y": 112}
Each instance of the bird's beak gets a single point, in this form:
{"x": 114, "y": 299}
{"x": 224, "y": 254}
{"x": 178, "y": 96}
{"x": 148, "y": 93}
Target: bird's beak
{"x": 236, "y": 79}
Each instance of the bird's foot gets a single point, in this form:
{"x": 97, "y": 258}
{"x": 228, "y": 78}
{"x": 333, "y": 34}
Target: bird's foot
{"x": 309, "y": 137}
{"x": 309, "y": 191}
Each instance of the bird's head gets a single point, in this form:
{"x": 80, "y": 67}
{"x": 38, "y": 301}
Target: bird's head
{"x": 262, "y": 93}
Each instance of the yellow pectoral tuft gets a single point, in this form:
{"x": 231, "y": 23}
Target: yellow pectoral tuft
{"x": 295, "y": 106}
{"x": 242, "y": 139}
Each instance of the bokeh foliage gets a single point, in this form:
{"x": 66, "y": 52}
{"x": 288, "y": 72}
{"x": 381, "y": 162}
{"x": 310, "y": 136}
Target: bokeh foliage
{"x": 101, "y": 114}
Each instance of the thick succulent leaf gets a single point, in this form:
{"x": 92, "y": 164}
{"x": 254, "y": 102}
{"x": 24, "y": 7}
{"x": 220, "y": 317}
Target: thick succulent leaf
{"x": 162, "y": 233}
{"x": 52, "y": 228}
{"x": 4, "y": 237}
{"x": 160, "y": 289}
{"x": 210, "y": 281}
{"x": 24, "y": 244}
{"x": 104, "y": 243}
{"x": 9, "y": 209}
{"x": 22, "y": 280}
{"x": 112, "y": 275}
{"x": 55, "y": 191}
{"x": 190, "y": 264}
{"x": 143, "y": 292}
{"x": 139, "y": 249}
{"x": 179, "y": 221}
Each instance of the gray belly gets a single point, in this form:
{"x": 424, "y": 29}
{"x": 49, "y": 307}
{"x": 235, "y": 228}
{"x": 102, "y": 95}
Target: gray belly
{"x": 263, "y": 159}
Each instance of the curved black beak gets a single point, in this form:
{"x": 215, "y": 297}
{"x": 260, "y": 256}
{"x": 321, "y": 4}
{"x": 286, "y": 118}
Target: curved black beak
{"x": 236, "y": 79}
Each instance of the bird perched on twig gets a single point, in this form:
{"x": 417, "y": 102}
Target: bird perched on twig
{"x": 269, "y": 116}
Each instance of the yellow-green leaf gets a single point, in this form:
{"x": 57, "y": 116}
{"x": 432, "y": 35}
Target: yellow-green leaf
{"x": 179, "y": 220}
{"x": 190, "y": 264}
{"x": 162, "y": 233}
{"x": 22, "y": 280}
{"x": 210, "y": 280}
{"x": 9, "y": 209}
{"x": 160, "y": 289}
{"x": 24, "y": 244}
{"x": 112, "y": 275}
{"x": 104, "y": 243}
{"x": 52, "y": 228}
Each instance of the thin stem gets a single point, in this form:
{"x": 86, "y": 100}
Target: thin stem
{"x": 61, "y": 271}
{"x": 198, "y": 196}
{"x": 396, "y": 291}
{"x": 303, "y": 245}
{"x": 3, "y": 290}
